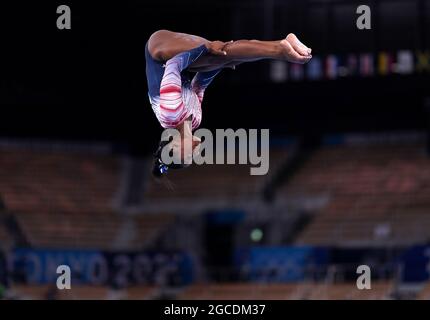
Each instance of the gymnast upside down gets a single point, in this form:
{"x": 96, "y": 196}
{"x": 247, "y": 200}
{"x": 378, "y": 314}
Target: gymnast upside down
{"x": 179, "y": 68}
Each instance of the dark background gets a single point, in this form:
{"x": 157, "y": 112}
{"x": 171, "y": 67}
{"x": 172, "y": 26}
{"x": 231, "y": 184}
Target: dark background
{"x": 89, "y": 82}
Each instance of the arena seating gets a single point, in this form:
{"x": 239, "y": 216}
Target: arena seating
{"x": 82, "y": 292}
{"x": 66, "y": 230}
{"x": 29, "y": 292}
{"x": 376, "y": 194}
{"x": 60, "y": 198}
{"x": 140, "y": 293}
{"x": 348, "y": 291}
{"x": 239, "y": 291}
{"x": 64, "y": 200}
{"x": 424, "y": 293}
{"x": 300, "y": 291}
{"x": 57, "y": 181}
{"x": 219, "y": 291}
{"x": 5, "y": 237}
{"x": 227, "y": 182}
{"x": 149, "y": 226}
{"x": 85, "y": 230}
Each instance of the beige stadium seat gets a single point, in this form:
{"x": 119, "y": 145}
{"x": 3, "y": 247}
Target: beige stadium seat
{"x": 239, "y": 291}
{"x": 424, "y": 293}
{"x": 84, "y": 292}
{"x": 140, "y": 293}
{"x": 30, "y": 292}
{"x": 367, "y": 187}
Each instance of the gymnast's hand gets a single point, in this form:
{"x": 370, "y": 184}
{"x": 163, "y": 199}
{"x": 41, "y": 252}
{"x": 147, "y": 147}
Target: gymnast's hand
{"x": 295, "y": 51}
{"x": 217, "y": 47}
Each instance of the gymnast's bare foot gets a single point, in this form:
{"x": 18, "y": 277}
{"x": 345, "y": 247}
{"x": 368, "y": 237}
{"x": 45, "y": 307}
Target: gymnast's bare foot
{"x": 293, "y": 50}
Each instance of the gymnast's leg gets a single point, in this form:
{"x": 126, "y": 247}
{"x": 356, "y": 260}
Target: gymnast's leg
{"x": 164, "y": 44}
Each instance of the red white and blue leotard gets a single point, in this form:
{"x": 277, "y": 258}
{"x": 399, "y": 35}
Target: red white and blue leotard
{"x": 174, "y": 94}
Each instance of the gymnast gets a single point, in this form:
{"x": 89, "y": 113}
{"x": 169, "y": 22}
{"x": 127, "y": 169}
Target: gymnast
{"x": 179, "y": 68}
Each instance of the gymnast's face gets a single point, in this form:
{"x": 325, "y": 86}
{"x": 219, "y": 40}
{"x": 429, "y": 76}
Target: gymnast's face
{"x": 184, "y": 144}
{"x": 183, "y": 148}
